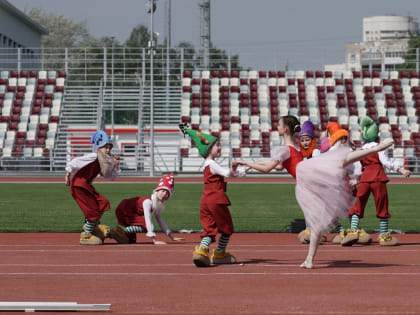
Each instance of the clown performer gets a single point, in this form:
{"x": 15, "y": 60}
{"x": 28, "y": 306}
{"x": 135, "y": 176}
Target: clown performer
{"x": 309, "y": 149}
{"x": 214, "y": 212}
{"x": 373, "y": 180}
{"x": 307, "y": 142}
{"x": 322, "y": 183}
{"x": 86, "y": 168}
{"x": 134, "y": 215}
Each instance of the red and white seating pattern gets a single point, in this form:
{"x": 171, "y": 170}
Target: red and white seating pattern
{"x": 243, "y": 108}
{"x": 30, "y": 104}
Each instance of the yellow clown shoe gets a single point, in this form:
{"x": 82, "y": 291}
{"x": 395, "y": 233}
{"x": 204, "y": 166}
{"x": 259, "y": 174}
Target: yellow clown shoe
{"x": 387, "y": 240}
{"x": 118, "y": 233}
{"x": 100, "y": 230}
{"x": 364, "y": 237}
{"x": 352, "y": 236}
{"x": 220, "y": 257}
{"x": 304, "y": 236}
{"x": 339, "y": 237}
{"x": 87, "y": 238}
{"x": 201, "y": 256}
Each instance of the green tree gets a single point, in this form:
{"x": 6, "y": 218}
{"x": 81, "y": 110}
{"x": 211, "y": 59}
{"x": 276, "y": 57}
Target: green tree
{"x": 139, "y": 37}
{"x": 410, "y": 56}
{"x": 219, "y": 59}
{"x": 62, "y": 31}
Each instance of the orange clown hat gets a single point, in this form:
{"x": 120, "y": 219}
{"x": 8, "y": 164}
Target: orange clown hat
{"x": 337, "y": 135}
{"x": 332, "y": 127}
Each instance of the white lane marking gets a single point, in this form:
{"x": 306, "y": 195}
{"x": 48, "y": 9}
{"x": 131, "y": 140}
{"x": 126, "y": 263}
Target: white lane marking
{"x": 161, "y": 249}
{"x": 305, "y": 272}
{"x": 336, "y": 264}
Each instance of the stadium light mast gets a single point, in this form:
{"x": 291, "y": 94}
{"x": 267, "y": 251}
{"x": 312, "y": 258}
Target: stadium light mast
{"x": 150, "y": 8}
{"x": 205, "y": 33}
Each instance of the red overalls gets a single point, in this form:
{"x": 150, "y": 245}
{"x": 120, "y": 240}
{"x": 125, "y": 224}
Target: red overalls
{"x": 130, "y": 212}
{"x": 373, "y": 180}
{"x": 214, "y": 212}
{"x": 92, "y": 203}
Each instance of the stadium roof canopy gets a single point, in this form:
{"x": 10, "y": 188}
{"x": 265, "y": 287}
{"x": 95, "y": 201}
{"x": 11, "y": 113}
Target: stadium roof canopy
{"x": 7, "y": 6}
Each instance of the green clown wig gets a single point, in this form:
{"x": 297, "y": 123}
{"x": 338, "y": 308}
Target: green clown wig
{"x": 204, "y": 142}
{"x": 369, "y": 128}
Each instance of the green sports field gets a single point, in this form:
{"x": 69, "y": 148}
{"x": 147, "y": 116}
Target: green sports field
{"x": 255, "y": 207}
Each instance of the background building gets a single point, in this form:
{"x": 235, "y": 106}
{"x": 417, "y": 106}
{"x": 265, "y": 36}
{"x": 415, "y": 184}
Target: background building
{"x": 19, "y": 33}
{"x": 385, "y": 42}
{"x": 17, "y": 30}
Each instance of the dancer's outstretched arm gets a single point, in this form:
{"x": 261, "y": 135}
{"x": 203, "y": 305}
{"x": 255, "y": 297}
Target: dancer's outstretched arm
{"x": 360, "y": 154}
{"x": 264, "y": 167}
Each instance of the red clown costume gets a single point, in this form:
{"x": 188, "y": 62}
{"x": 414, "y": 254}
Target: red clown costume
{"x": 214, "y": 212}
{"x": 134, "y": 215}
{"x": 92, "y": 203}
{"x": 373, "y": 180}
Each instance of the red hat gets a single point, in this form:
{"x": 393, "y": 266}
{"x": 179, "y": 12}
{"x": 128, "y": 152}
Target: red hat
{"x": 166, "y": 183}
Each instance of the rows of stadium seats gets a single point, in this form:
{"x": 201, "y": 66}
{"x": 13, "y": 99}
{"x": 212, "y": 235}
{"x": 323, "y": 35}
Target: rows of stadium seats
{"x": 30, "y": 104}
{"x": 243, "y": 108}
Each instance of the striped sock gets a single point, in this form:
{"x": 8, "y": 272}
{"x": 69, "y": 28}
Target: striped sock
{"x": 133, "y": 229}
{"x": 383, "y": 226}
{"x": 355, "y": 220}
{"x": 340, "y": 228}
{"x": 205, "y": 241}
{"x": 223, "y": 242}
{"x": 89, "y": 225}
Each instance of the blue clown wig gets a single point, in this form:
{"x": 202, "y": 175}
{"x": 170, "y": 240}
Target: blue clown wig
{"x": 100, "y": 139}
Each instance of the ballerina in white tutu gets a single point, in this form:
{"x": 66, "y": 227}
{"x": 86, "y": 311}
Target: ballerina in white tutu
{"x": 322, "y": 184}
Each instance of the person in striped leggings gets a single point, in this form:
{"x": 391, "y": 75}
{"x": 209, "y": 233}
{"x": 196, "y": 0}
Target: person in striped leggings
{"x": 373, "y": 180}
{"x": 214, "y": 212}
{"x": 134, "y": 215}
{"x": 85, "y": 169}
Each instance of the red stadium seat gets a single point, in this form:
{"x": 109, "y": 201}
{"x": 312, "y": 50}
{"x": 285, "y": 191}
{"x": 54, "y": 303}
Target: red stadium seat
{"x": 13, "y": 125}
{"x": 282, "y": 89}
{"x": 185, "y": 74}
{"x": 36, "y": 110}
{"x": 61, "y": 89}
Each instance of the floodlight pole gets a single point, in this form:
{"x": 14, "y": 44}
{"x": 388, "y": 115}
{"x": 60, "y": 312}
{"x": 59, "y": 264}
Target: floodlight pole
{"x": 152, "y": 124}
{"x": 112, "y": 86}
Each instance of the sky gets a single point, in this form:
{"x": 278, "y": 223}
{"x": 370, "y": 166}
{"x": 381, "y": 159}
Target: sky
{"x": 267, "y": 34}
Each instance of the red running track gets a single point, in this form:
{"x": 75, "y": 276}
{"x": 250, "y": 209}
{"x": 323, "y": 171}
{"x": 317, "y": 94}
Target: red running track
{"x": 148, "y": 279}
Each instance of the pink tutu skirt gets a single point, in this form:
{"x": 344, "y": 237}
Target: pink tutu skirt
{"x": 322, "y": 189}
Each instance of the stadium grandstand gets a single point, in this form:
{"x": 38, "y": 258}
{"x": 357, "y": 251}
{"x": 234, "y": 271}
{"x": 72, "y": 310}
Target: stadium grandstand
{"x": 52, "y": 102}
{"x": 46, "y": 118}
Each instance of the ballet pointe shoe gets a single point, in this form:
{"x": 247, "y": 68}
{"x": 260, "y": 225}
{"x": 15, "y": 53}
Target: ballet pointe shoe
{"x": 306, "y": 264}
